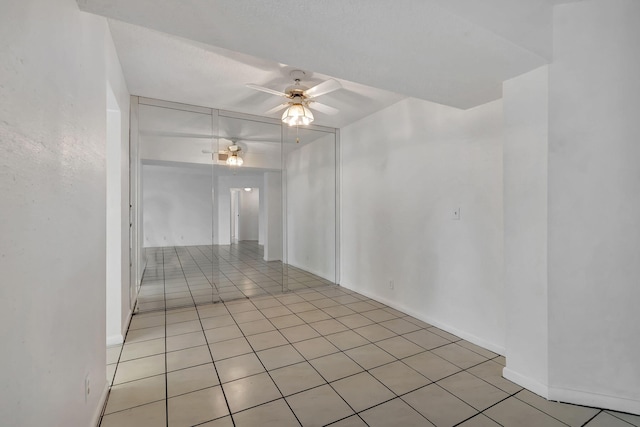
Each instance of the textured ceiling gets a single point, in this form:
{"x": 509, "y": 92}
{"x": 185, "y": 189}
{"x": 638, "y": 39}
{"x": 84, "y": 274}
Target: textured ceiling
{"x": 455, "y": 52}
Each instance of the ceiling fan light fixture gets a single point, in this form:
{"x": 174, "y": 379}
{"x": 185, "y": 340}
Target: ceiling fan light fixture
{"x": 297, "y": 115}
{"x": 234, "y": 160}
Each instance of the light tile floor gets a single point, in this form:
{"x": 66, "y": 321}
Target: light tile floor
{"x": 191, "y": 275}
{"x": 316, "y": 357}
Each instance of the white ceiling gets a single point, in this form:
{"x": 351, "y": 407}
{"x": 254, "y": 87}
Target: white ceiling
{"x": 455, "y": 52}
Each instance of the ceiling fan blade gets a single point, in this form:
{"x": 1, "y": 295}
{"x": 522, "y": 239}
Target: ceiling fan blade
{"x": 266, "y": 89}
{"x": 323, "y": 108}
{"x": 277, "y": 108}
{"x": 323, "y": 88}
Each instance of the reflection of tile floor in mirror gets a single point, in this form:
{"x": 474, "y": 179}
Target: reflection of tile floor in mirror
{"x": 315, "y": 357}
{"x": 191, "y": 275}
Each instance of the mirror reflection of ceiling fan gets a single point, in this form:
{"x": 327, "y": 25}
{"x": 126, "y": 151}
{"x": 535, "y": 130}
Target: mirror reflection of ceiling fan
{"x": 301, "y": 99}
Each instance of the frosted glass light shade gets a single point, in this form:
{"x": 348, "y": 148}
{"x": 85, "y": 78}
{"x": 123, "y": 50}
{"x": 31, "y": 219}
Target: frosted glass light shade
{"x": 234, "y": 160}
{"x": 296, "y": 115}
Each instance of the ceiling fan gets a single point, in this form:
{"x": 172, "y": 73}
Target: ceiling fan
{"x": 301, "y": 99}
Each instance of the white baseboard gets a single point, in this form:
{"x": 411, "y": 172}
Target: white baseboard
{"x": 312, "y": 271}
{"x": 113, "y": 340}
{"x": 462, "y": 334}
{"x": 586, "y": 398}
{"x": 101, "y": 402}
{"x": 526, "y": 382}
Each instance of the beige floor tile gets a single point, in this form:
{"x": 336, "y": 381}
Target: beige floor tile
{"x": 318, "y": 406}
{"x": 572, "y": 415}
{"x": 149, "y": 415}
{"x": 256, "y": 327}
{"x": 324, "y": 303}
{"x": 188, "y": 357}
{"x": 220, "y": 422}
{"x": 248, "y": 316}
{"x": 338, "y": 311}
{"x": 514, "y": 412}
{"x": 459, "y": 356}
{"x": 142, "y": 349}
{"x": 266, "y": 340}
{"x": 605, "y": 419}
{"x": 400, "y": 326}
{"x": 138, "y": 322}
{"x": 631, "y": 419}
{"x": 335, "y": 366}
{"x": 477, "y": 349}
{"x": 213, "y": 310}
{"x": 278, "y": 357}
{"x": 145, "y": 334}
{"x": 183, "y": 327}
{"x": 362, "y": 391}
{"x": 394, "y": 413}
{"x": 183, "y": 341}
{"x": 230, "y": 348}
{"x": 191, "y": 379}
{"x": 300, "y": 307}
{"x": 329, "y": 326}
{"x": 136, "y": 393}
{"x": 296, "y": 378}
{"x": 251, "y": 391}
{"x": 480, "y": 421}
{"x": 240, "y": 306}
{"x": 111, "y": 373}
{"x": 346, "y": 340}
{"x": 315, "y": 347}
{"x": 299, "y": 333}
{"x": 139, "y": 368}
{"x": 361, "y": 306}
{"x": 267, "y": 302}
{"x": 286, "y": 321}
{"x": 399, "y": 347}
{"x": 239, "y": 367}
{"x": 197, "y": 407}
{"x": 444, "y": 334}
{"x": 181, "y": 316}
{"x": 439, "y": 406}
{"x": 431, "y": 366}
{"x": 222, "y": 333}
{"x": 399, "y": 377}
{"x": 313, "y": 316}
{"x": 352, "y": 421}
{"x": 272, "y": 414}
{"x": 369, "y": 356}
{"x": 375, "y": 333}
{"x": 354, "y": 321}
{"x": 491, "y": 372}
{"x": 473, "y": 390}
{"x": 218, "y": 321}
{"x": 379, "y": 315}
{"x": 426, "y": 339}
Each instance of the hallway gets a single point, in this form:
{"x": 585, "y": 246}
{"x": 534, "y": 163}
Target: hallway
{"x": 312, "y": 357}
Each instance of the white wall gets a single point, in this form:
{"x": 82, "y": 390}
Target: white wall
{"x": 311, "y": 207}
{"x": 118, "y": 274}
{"x": 594, "y": 205}
{"x": 404, "y": 170}
{"x": 272, "y": 190}
{"x": 249, "y": 210}
{"x": 53, "y": 216}
{"x": 177, "y": 206}
{"x": 526, "y": 116}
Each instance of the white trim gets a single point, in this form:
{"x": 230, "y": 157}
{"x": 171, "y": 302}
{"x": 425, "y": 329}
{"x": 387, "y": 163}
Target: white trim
{"x": 526, "y": 382}
{"x": 462, "y": 334}
{"x": 598, "y": 400}
{"x": 114, "y": 340}
{"x": 95, "y": 421}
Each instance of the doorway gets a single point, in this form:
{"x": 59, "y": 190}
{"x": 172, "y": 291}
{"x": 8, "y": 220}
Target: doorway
{"x": 245, "y": 214}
